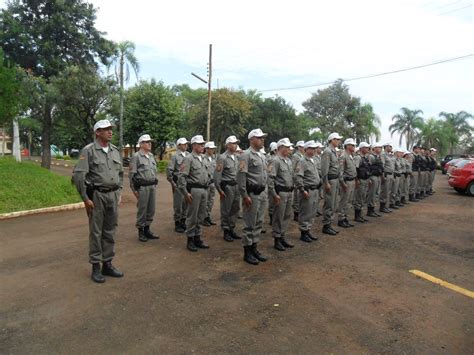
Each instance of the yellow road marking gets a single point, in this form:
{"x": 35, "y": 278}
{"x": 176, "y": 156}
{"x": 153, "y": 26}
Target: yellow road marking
{"x": 443, "y": 283}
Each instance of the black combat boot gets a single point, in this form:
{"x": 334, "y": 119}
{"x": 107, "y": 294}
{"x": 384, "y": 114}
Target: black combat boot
{"x": 398, "y": 204}
{"x": 393, "y": 207}
{"x": 371, "y": 212}
{"x": 346, "y": 221}
{"x": 412, "y": 198}
{"x": 257, "y": 254}
{"x": 190, "y": 244}
{"x": 277, "y": 244}
{"x": 228, "y": 236}
{"x": 295, "y": 216}
{"x": 199, "y": 243}
{"x": 149, "y": 234}
{"x": 234, "y": 235}
{"x": 312, "y": 237}
{"x": 271, "y": 219}
{"x": 178, "y": 227}
{"x": 305, "y": 237}
{"x": 183, "y": 223}
{"x": 327, "y": 229}
{"x": 141, "y": 235}
{"x": 342, "y": 223}
{"x": 403, "y": 201}
{"x": 109, "y": 270}
{"x": 358, "y": 216}
{"x": 96, "y": 275}
{"x": 249, "y": 257}
{"x": 206, "y": 222}
{"x": 384, "y": 209}
{"x": 285, "y": 243}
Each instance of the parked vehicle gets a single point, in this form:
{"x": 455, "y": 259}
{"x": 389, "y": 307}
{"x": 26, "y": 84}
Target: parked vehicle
{"x": 447, "y": 159}
{"x": 451, "y": 164}
{"x": 462, "y": 177}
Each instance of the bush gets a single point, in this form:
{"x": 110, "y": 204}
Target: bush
{"x": 162, "y": 165}
{"x": 66, "y": 157}
{"x": 58, "y": 156}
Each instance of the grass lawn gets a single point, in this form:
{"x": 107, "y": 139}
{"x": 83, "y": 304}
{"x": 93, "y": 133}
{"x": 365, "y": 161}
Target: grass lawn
{"x": 26, "y": 186}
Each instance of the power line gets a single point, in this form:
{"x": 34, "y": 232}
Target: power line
{"x": 372, "y": 75}
{"x": 461, "y": 8}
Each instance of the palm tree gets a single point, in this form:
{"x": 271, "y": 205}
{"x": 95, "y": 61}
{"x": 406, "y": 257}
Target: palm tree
{"x": 370, "y": 121}
{"x": 435, "y": 134}
{"x": 460, "y": 126}
{"x": 124, "y": 58}
{"x": 406, "y": 125}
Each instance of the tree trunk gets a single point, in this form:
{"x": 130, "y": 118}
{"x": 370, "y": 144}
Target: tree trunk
{"x": 46, "y": 137}
{"x": 4, "y": 141}
{"x": 16, "y": 140}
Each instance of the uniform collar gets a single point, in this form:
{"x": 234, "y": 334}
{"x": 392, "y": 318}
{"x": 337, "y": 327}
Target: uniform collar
{"x": 98, "y": 146}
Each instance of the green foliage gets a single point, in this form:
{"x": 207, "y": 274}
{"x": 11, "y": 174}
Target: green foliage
{"x": 407, "y": 125}
{"x": 10, "y": 86}
{"x": 66, "y": 157}
{"x": 162, "y": 165}
{"x": 25, "y": 186}
{"x": 152, "y": 108}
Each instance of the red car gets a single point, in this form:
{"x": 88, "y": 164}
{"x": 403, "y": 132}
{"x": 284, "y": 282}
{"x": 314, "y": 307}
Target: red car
{"x": 462, "y": 177}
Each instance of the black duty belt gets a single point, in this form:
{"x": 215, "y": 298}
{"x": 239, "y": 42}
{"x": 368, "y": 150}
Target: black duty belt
{"x": 376, "y": 173}
{"x": 137, "y": 183}
{"x": 255, "y": 189}
{"x": 106, "y": 189}
{"x": 363, "y": 178}
{"x": 385, "y": 174}
{"x": 312, "y": 187}
{"x": 279, "y": 188}
{"x": 333, "y": 177}
{"x": 348, "y": 178}
{"x": 189, "y": 187}
{"x": 225, "y": 183}
{"x": 407, "y": 174}
{"x": 398, "y": 175}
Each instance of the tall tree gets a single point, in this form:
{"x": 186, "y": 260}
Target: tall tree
{"x": 407, "y": 125}
{"x": 366, "y": 124}
{"x": 124, "y": 58}
{"x": 44, "y": 37}
{"x": 154, "y": 109}
{"x": 460, "y": 125}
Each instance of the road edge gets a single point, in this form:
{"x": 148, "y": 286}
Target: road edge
{"x": 69, "y": 207}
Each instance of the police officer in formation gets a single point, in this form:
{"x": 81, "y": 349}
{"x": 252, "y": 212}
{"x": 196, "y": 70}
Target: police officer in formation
{"x": 193, "y": 183}
{"x": 179, "y": 203}
{"x": 143, "y": 181}
{"x": 225, "y": 180}
{"x": 355, "y": 177}
{"x": 280, "y": 191}
{"x": 98, "y": 177}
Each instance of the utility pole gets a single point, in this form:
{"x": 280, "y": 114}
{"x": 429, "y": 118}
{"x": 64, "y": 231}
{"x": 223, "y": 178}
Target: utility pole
{"x": 209, "y": 95}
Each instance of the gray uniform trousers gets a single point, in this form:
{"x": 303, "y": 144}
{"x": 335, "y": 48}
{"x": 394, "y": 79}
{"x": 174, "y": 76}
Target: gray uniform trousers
{"x": 347, "y": 197}
{"x": 196, "y": 212}
{"x": 422, "y": 181}
{"x": 179, "y": 206}
{"x": 394, "y": 196}
{"x": 320, "y": 197}
{"x": 360, "y": 194}
{"x": 146, "y": 205}
{"x": 373, "y": 191}
{"x": 308, "y": 209}
{"x": 414, "y": 182}
{"x": 282, "y": 214}
{"x": 253, "y": 219}
{"x": 432, "y": 178}
{"x": 102, "y": 224}
{"x": 330, "y": 201}
{"x": 401, "y": 187}
{"x": 211, "y": 196}
{"x": 386, "y": 189}
{"x": 407, "y": 186}
{"x": 296, "y": 201}
{"x": 230, "y": 207}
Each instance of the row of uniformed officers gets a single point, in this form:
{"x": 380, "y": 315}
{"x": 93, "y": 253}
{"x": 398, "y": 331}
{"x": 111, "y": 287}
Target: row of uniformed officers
{"x": 285, "y": 182}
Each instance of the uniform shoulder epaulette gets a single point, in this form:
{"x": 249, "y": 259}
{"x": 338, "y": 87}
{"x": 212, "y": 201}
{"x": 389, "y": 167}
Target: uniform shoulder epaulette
{"x": 113, "y": 146}
{"x": 88, "y": 146}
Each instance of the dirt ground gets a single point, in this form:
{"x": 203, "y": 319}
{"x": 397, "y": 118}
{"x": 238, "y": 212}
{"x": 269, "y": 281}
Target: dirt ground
{"x": 351, "y": 293}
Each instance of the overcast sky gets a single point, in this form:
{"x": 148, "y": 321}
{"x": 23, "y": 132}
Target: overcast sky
{"x": 274, "y": 44}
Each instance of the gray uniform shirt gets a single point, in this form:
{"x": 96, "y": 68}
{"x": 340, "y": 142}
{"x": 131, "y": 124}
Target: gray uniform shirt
{"x": 172, "y": 171}
{"x": 98, "y": 168}
{"x": 388, "y": 162}
{"x": 210, "y": 163}
{"x": 348, "y": 166}
{"x": 143, "y": 167}
{"x": 226, "y": 169}
{"x": 192, "y": 171}
{"x": 329, "y": 164}
{"x": 295, "y": 158}
{"x": 399, "y": 165}
{"x": 317, "y": 159}
{"x": 252, "y": 170}
{"x": 280, "y": 174}
{"x": 408, "y": 166}
{"x": 307, "y": 173}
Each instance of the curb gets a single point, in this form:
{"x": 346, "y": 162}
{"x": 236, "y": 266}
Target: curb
{"x": 70, "y": 207}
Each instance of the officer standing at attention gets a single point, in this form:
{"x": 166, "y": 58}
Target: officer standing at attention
{"x": 347, "y": 182}
{"x": 432, "y": 164}
{"x": 376, "y": 173}
{"x": 143, "y": 181}
{"x": 252, "y": 181}
{"x": 308, "y": 184}
{"x": 210, "y": 162}
{"x": 98, "y": 177}
{"x": 295, "y": 158}
{"x": 424, "y": 172}
{"x": 270, "y": 156}
{"x": 317, "y": 159}
{"x": 330, "y": 173}
{"x": 280, "y": 190}
{"x": 179, "y": 203}
{"x": 408, "y": 176}
{"x": 193, "y": 183}
{"x": 397, "y": 175}
{"x": 415, "y": 178}
{"x": 362, "y": 183}
{"x": 225, "y": 180}
{"x": 387, "y": 178}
